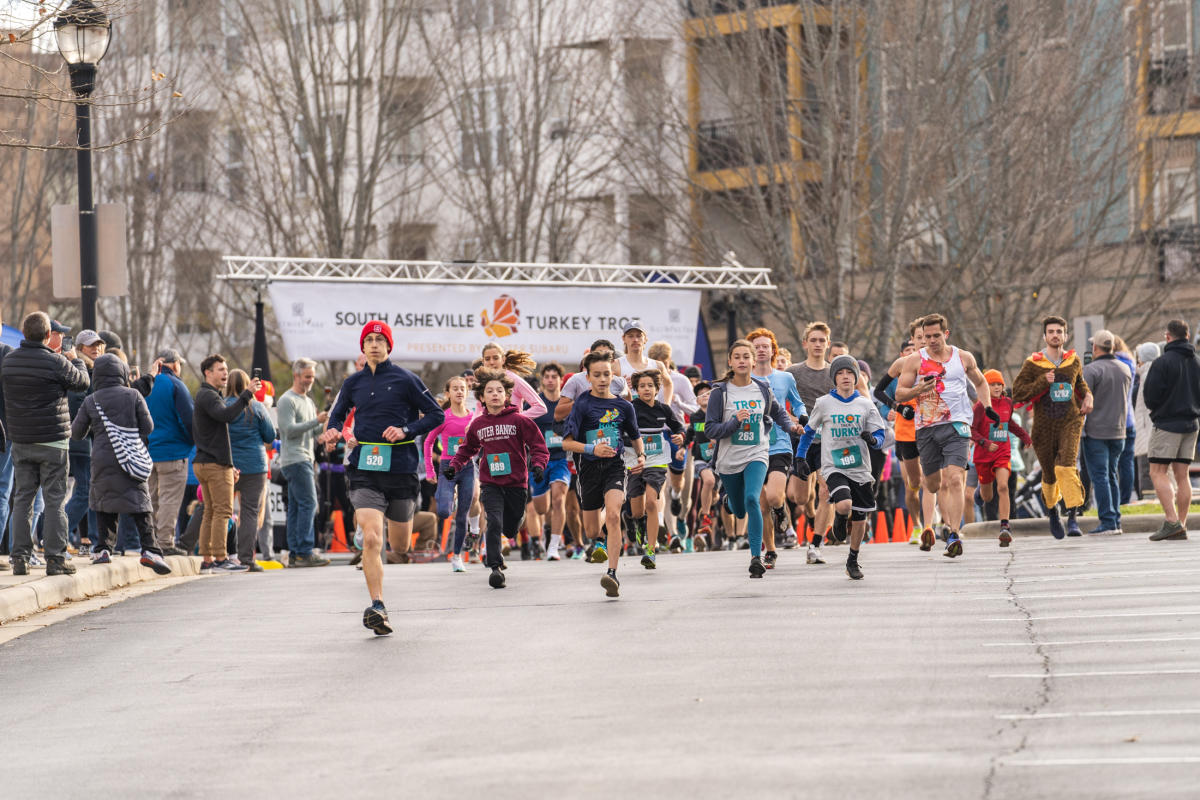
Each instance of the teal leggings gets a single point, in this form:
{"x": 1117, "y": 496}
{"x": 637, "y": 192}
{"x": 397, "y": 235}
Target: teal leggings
{"x": 743, "y": 490}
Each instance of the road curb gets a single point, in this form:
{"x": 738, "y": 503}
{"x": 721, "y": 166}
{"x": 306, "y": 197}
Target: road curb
{"x": 1130, "y": 523}
{"x": 43, "y": 593}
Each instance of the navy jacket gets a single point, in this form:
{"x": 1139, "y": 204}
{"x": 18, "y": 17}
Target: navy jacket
{"x": 389, "y": 396}
{"x": 716, "y": 427}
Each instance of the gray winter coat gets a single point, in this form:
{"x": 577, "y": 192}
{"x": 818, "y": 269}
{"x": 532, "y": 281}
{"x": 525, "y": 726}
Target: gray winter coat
{"x": 113, "y": 490}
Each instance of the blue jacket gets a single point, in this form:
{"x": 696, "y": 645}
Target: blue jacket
{"x": 171, "y": 407}
{"x": 247, "y": 435}
{"x": 389, "y": 396}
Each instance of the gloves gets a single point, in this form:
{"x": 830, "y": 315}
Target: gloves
{"x": 869, "y": 438}
{"x": 908, "y": 412}
{"x": 801, "y": 469}
{"x": 448, "y": 470}
{"x": 537, "y": 473}
{"x": 992, "y": 415}
{"x": 802, "y": 419}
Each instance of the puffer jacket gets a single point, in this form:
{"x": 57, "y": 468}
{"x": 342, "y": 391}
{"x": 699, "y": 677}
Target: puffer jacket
{"x": 113, "y": 490}
{"x": 36, "y": 381}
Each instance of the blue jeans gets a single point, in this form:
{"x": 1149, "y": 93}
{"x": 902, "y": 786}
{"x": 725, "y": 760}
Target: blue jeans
{"x": 464, "y": 482}
{"x": 1126, "y": 469}
{"x": 743, "y": 489}
{"x": 77, "y": 506}
{"x": 6, "y": 482}
{"x": 1102, "y": 457}
{"x": 301, "y": 508}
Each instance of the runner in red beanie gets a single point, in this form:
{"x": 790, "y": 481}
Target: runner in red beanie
{"x": 376, "y": 326}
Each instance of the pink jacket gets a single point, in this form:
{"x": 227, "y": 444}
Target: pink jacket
{"x": 452, "y": 426}
{"x": 523, "y": 391}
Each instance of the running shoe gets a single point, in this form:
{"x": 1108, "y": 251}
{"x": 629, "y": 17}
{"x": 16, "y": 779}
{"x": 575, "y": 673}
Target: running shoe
{"x": 756, "y": 567}
{"x": 781, "y": 522}
{"x": 769, "y": 559}
{"x": 34, "y": 561}
{"x": 599, "y": 553}
{"x": 706, "y": 524}
{"x": 472, "y": 541}
{"x": 790, "y": 540}
{"x": 102, "y": 557}
{"x": 916, "y": 536}
{"x": 155, "y": 562}
{"x": 927, "y": 540}
{"x": 1073, "y": 527}
{"x": 228, "y": 565}
{"x": 496, "y": 579}
{"x": 505, "y": 546}
{"x": 648, "y": 561}
{"x": 206, "y": 567}
{"x": 1056, "y": 526}
{"x": 456, "y": 563}
{"x": 676, "y": 505}
{"x": 954, "y": 546}
{"x": 611, "y": 585}
{"x": 680, "y": 528}
{"x": 1005, "y": 536}
{"x": 376, "y": 619}
{"x": 577, "y": 555}
{"x": 814, "y": 555}
{"x": 852, "y": 569}
{"x": 1169, "y": 531}
{"x": 676, "y": 545}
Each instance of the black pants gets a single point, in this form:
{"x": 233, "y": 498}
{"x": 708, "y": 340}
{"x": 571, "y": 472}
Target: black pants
{"x": 504, "y": 506}
{"x": 106, "y": 537}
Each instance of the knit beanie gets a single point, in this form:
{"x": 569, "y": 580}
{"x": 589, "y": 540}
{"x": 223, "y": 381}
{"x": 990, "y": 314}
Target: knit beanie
{"x": 376, "y": 326}
{"x": 844, "y": 362}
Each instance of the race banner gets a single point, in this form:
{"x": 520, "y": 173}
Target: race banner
{"x": 438, "y": 322}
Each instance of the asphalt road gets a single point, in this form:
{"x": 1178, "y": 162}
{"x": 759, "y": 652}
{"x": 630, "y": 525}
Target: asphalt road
{"x": 1051, "y": 670}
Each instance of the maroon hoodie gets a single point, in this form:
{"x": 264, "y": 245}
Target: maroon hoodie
{"x": 503, "y": 439}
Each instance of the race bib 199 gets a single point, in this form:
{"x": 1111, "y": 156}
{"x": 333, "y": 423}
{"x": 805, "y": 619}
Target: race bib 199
{"x": 499, "y": 464}
{"x": 848, "y": 457}
{"x": 998, "y": 432}
{"x": 1061, "y": 392}
{"x": 452, "y": 445}
{"x": 374, "y": 457}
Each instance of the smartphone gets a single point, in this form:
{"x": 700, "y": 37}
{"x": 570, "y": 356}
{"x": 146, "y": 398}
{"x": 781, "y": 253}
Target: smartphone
{"x": 68, "y": 343}
{"x": 257, "y": 373}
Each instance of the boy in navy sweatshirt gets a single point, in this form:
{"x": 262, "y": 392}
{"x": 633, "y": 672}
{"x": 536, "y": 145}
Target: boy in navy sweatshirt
{"x": 512, "y": 448}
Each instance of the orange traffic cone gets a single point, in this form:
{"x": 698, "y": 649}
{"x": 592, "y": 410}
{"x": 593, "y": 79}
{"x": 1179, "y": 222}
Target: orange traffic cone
{"x": 881, "y": 528}
{"x": 446, "y": 536}
{"x": 338, "y": 543}
{"x": 902, "y": 527}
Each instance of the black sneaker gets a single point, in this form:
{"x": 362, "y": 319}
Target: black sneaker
{"x": 57, "y": 566}
{"x": 769, "y": 559}
{"x": 756, "y": 567}
{"x": 376, "y": 618}
{"x": 676, "y": 545}
{"x": 175, "y": 551}
{"x": 852, "y": 569}
{"x": 20, "y": 566}
{"x": 496, "y": 579}
{"x": 1056, "y": 527}
{"x": 525, "y": 551}
{"x": 254, "y": 566}
{"x": 206, "y": 567}
{"x": 676, "y": 507}
{"x": 612, "y": 586}
{"x": 781, "y": 523}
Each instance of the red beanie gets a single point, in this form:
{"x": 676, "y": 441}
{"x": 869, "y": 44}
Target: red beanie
{"x": 376, "y": 326}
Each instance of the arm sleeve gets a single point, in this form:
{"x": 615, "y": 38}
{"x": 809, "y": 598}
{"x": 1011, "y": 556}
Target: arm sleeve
{"x": 1081, "y": 387}
{"x": 523, "y": 391}
{"x": 629, "y": 423}
{"x": 145, "y": 421}
{"x": 266, "y": 429}
{"x": 215, "y": 408}
{"x": 979, "y": 425}
{"x": 881, "y": 393}
{"x": 184, "y": 407}
{"x": 877, "y": 427}
{"x": 431, "y": 411}
{"x": 74, "y": 375}
{"x": 430, "y": 438}
{"x": 144, "y": 385}
{"x": 1152, "y": 386}
{"x": 714, "y": 426}
{"x": 673, "y": 423}
{"x": 82, "y": 422}
{"x": 1021, "y": 433}
{"x": 685, "y": 396}
{"x": 574, "y": 419}
{"x": 793, "y": 397}
{"x": 539, "y": 454}
{"x": 806, "y": 440}
{"x": 780, "y": 416}
{"x": 341, "y": 407}
{"x": 1025, "y": 385}
{"x": 467, "y": 448}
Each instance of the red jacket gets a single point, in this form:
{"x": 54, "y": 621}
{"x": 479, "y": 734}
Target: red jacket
{"x": 981, "y": 426}
{"x": 510, "y": 444}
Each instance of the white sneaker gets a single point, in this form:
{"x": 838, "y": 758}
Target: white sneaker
{"x": 814, "y": 555}
{"x": 456, "y": 563}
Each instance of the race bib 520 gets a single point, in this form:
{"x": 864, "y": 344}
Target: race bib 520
{"x": 374, "y": 457}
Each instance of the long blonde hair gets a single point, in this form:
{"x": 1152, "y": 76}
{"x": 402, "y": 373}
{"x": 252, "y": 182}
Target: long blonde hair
{"x": 517, "y": 361}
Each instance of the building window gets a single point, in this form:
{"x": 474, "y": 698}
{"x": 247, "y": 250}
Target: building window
{"x": 190, "y": 152}
{"x": 481, "y": 114}
{"x": 411, "y": 242}
{"x": 403, "y": 106}
{"x": 235, "y": 170}
{"x": 1175, "y": 199}
{"x": 645, "y": 82}
{"x": 195, "y": 272}
{"x": 480, "y": 15}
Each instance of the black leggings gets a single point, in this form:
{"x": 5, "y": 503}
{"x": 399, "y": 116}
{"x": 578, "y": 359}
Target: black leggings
{"x": 504, "y": 507}
{"x": 106, "y": 537}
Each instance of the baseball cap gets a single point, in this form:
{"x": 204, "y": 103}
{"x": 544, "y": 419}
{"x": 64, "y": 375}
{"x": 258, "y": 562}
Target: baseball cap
{"x": 87, "y": 338}
{"x": 633, "y": 326}
{"x": 58, "y": 327}
{"x": 1104, "y": 339}
{"x": 169, "y": 356}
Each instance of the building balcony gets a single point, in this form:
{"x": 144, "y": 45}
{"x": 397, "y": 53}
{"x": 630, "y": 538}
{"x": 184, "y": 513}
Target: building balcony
{"x": 1173, "y": 84}
{"x": 740, "y": 142}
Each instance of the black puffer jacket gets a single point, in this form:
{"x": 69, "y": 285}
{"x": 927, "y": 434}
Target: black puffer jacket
{"x": 113, "y": 490}
{"x": 36, "y": 381}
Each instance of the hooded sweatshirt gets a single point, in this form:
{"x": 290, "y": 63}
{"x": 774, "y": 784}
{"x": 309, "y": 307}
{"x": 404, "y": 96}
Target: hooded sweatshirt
{"x": 511, "y": 445}
{"x": 1172, "y": 388}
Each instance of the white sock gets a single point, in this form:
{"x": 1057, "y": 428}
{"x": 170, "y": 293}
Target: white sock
{"x": 555, "y": 540}
{"x": 473, "y": 524}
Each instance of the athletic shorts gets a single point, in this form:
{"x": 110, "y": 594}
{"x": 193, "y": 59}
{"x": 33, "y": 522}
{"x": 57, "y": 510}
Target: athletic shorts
{"x": 779, "y": 462}
{"x": 556, "y": 472}
{"x": 942, "y": 446}
{"x": 598, "y": 477}
{"x": 878, "y": 462}
{"x": 395, "y": 495}
{"x": 987, "y": 469}
{"x": 813, "y": 457}
{"x": 860, "y": 495}
{"x": 907, "y": 451}
{"x": 1167, "y": 447}
{"x": 678, "y": 457}
{"x": 636, "y": 482}
{"x": 699, "y": 466}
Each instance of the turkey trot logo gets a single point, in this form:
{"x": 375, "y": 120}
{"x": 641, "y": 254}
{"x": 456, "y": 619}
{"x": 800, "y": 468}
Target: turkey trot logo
{"x": 504, "y": 318}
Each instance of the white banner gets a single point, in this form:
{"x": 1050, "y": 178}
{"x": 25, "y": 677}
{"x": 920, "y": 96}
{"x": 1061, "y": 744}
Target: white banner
{"x": 453, "y": 323}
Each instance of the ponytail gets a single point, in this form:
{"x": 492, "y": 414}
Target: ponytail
{"x": 734, "y": 346}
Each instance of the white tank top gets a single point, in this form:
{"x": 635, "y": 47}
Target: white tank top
{"x": 950, "y": 401}
{"x": 627, "y": 370}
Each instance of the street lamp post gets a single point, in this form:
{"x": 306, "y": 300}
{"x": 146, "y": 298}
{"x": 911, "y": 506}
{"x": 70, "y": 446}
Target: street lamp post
{"x": 83, "y": 32}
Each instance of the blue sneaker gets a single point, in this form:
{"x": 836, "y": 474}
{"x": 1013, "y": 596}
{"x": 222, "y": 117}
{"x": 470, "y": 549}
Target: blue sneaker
{"x": 1073, "y": 527}
{"x": 228, "y": 565}
{"x": 1056, "y": 526}
{"x": 954, "y": 546}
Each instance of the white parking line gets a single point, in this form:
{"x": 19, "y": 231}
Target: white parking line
{"x": 1094, "y": 641}
{"x": 1097, "y": 674}
{"x": 1101, "y": 762}
{"x": 1173, "y": 613}
{"x": 1165, "y": 712}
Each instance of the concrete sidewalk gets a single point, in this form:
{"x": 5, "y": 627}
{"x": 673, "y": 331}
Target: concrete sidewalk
{"x": 1137, "y": 524}
{"x": 23, "y": 595}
